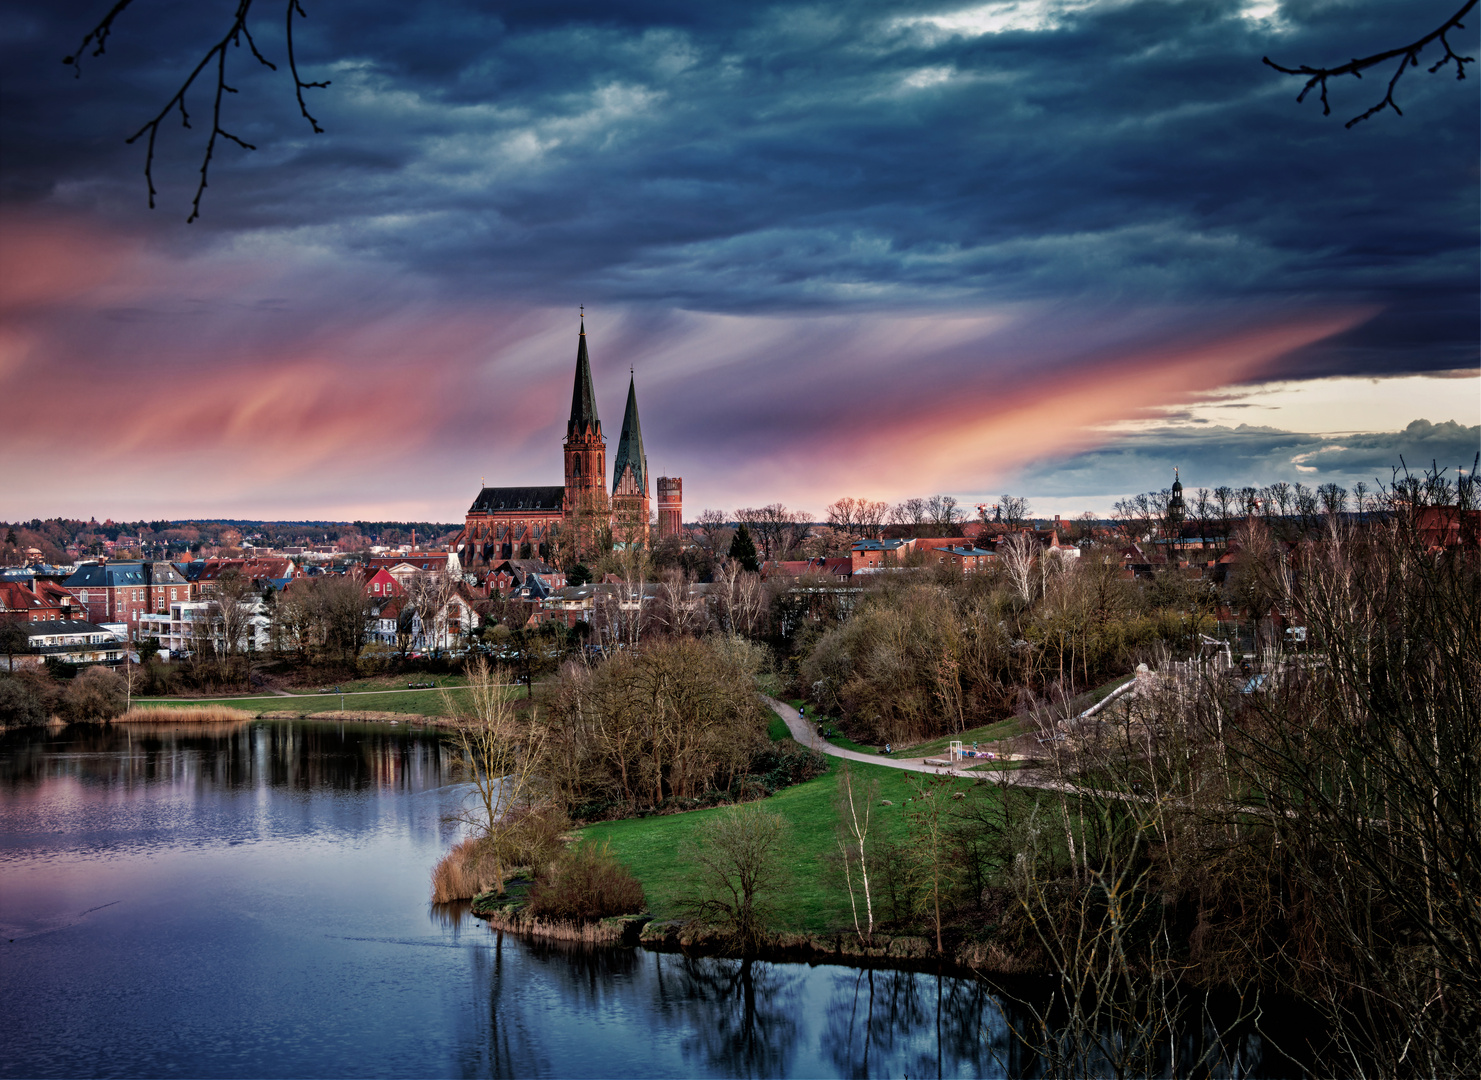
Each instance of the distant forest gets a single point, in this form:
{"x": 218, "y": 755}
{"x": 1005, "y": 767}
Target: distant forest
{"x": 60, "y": 540}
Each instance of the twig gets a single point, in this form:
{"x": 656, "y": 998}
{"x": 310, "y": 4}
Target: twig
{"x": 97, "y": 36}
{"x": 1409, "y": 57}
{"x": 235, "y": 34}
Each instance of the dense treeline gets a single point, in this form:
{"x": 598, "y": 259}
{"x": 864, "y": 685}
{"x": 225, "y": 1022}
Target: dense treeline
{"x": 53, "y": 537}
{"x": 935, "y": 652}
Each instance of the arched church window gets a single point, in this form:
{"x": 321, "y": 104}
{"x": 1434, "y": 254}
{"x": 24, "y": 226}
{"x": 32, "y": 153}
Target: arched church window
{"x": 576, "y": 469}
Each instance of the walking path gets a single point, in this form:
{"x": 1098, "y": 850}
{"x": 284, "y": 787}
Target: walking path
{"x": 806, "y": 733}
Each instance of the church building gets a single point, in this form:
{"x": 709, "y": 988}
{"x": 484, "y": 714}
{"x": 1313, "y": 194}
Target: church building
{"x": 517, "y": 522}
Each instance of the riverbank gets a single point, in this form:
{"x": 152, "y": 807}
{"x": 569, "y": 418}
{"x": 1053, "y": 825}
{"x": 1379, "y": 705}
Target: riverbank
{"x": 903, "y": 952}
{"x": 810, "y": 919}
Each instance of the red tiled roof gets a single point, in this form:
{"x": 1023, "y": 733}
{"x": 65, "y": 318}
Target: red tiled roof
{"x": 16, "y": 597}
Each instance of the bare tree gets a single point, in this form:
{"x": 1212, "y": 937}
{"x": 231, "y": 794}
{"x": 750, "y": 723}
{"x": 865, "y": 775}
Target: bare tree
{"x": 498, "y": 756}
{"x": 741, "y": 599}
{"x": 1334, "y": 499}
{"x": 1017, "y": 553}
{"x": 229, "y": 614}
{"x": 870, "y": 517}
{"x": 715, "y": 529}
{"x": 236, "y": 33}
{"x": 740, "y": 870}
{"x": 841, "y": 515}
{"x": 910, "y": 514}
{"x": 944, "y": 513}
{"x": 1407, "y": 55}
{"x": 854, "y": 804}
{"x": 780, "y": 530}
{"x": 428, "y": 593}
{"x": 931, "y": 846}
{"x": 676, "y": 611}
{"x": 1226, "y": 500}
{"x": 1015, "y": 510}
{"x": 341, "y": 615}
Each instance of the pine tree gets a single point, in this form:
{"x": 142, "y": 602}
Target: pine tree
{"x": 744, "y": 549}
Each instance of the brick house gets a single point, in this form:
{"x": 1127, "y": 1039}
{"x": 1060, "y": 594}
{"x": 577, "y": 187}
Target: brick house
{"x": 119, "y": 592}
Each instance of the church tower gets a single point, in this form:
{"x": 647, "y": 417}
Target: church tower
{"x": 586, "y": 450}
{"x": 630, "y": 476}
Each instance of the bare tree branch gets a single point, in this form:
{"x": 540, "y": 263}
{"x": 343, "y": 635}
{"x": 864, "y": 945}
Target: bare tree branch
{"x": 236, "y": 33}
{"x": 1409, "y": 55}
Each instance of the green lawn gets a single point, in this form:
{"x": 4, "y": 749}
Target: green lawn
{"x": 845, "y": 743}
{"x": 650, "y": 847}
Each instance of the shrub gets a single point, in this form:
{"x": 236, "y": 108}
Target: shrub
{"x": 586, "y": 884}
{"x": 20, "y": 704}
{"x": 96, "y": 694}
{"x": 531, "y": 835}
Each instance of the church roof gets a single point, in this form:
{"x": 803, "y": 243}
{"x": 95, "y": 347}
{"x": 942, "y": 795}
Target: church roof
{"x": 630, "y": 445}
{"x": 491, "y": 499}
{"x": 583, "y": 398}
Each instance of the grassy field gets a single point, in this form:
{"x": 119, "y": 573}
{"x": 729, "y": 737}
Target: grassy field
{"x": 650, "y": 847}
{"x": 416, "y": 702}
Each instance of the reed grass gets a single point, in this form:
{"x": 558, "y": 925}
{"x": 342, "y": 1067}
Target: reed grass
{"x": 194, "y": 714}
{"x": 464, "y": 872}
{"x": 606, "y": 932}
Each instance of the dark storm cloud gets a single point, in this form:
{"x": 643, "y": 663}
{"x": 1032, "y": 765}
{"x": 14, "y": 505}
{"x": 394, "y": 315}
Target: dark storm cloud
{"x": 765, "y": 158}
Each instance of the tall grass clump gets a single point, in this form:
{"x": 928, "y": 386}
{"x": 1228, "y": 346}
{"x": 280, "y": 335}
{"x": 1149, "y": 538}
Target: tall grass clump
{"x": 197, "y": 714}
{"x": 585, "y": 884}
{"x": 465, "y": 871}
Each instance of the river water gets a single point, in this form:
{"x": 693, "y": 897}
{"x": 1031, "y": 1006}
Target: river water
{"x": 251, "y": 900}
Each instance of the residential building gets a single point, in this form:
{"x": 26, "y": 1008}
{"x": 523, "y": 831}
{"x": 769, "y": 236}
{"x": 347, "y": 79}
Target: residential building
{"x": 122, "y": 591}
{"x": 72, "y": 641}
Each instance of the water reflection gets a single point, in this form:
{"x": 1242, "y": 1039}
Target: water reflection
{"x": 744, "y": 1012}
{"x": 880, "y": 1015}
{"x": 301, "y": 755}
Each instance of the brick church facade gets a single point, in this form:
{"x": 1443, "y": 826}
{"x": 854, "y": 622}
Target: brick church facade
{"x": 520, "y": 522}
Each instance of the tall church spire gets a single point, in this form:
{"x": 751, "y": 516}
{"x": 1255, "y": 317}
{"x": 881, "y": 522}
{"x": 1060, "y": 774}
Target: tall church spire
{"x": 584, "y": 417}
{"x": 586, "y": 450}
{"x": 630, "y": 453}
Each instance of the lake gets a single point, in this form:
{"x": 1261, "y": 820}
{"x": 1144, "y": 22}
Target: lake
{"x": 252, "y": 900}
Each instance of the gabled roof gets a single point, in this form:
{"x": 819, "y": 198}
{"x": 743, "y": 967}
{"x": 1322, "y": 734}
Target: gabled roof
{"x": 584, "y": 419}
{"x": 14, "y": 596}
{"x": 123, "y": 574}
{"x": 630, "y": 453}
{"x": 506, "y": 499}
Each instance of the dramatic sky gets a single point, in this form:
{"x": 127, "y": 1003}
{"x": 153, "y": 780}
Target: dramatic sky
{"x": 1047, "y": 247}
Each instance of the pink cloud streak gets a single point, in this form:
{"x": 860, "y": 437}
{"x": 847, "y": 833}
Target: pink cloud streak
{"x": 243, "y": 383}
